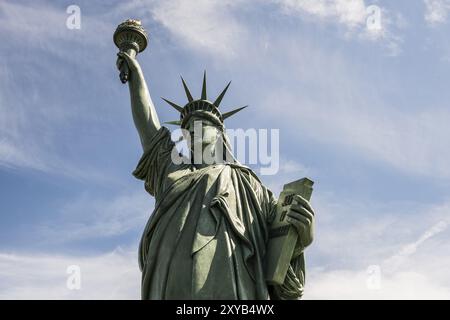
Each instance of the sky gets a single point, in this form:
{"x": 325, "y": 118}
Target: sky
{"x": 362, "y": 109}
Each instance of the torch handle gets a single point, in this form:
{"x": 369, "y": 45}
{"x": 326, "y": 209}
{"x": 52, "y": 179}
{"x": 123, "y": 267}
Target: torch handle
{"x": 124, "y": 70}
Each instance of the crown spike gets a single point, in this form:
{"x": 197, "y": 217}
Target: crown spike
{"x": 204, "y": 97}
{"x": 186, "y": 89}
{"x": 175, "y": 122}
{"x": 219, "y": 98}
{"x": 230, "y": 113}
{"x": 177, "y": 107}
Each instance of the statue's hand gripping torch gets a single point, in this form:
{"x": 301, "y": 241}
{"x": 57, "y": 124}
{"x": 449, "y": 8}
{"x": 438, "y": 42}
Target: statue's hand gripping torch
{"x": 130, "y": 37}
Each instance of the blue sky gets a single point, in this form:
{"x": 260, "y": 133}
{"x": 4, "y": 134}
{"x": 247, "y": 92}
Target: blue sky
{"x": 362, "y": 112}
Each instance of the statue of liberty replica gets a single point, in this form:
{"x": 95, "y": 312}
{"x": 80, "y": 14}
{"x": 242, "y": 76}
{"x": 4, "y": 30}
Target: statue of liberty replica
{"x": 211, "y": 234}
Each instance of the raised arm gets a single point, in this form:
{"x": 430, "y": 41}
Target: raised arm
{"x": 144, "y": 113}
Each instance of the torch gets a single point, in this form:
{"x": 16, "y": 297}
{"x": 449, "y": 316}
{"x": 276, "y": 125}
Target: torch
{"x": 130, "y": 37}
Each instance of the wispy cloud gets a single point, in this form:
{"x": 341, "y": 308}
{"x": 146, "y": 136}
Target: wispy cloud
{"x": 34, "y": 110}
{"x": 352, "y": 284}
{"x": 409, "y": 142}
{"x": 360, "y": 20}
{"x": 215, "y": 28}
{"x": 25, "y": 148}
{"x": 351, "y": 237}
{"x": 40, "y": 25}
{"x": 204, "y": 26}
{"x": 344, "y": 238}
{"x": 355, "y": 114}
{"x": 88, "y": 218}
{"x": 395, "y": 262}
{"x": 436, "y": 11}
{"x": 290, "y": 170}
{"x": 112, "y": 275}
{"x": 351, "y": 13}
{"x": 322, "y": 96}
{"x": 12, "y": 156}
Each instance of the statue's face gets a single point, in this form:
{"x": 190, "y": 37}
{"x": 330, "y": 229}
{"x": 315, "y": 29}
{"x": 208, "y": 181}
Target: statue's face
{"x": 202, "y": 133}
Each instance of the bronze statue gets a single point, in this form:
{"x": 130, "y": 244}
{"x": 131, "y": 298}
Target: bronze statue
{"x": 207, "y": 237}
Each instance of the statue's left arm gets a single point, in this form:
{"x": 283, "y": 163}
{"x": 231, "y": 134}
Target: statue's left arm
{"x": 301, "y": 216}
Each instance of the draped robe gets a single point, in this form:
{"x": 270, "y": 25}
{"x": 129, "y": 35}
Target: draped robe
{"x": 207, "y": 235}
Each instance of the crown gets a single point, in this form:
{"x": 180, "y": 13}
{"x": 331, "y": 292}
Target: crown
{"x": 201, "y": 107}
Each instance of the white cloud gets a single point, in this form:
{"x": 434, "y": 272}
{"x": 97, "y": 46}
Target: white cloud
{"x": 22, "y": 152}
{"x": 289, "y": 166}
{"x": 88, "y": 217}
{"x": 28, "y": 128}
{"x": 113, "y": 275}
{"x": 351, "y": 13}
{"x": 350, "y": 236}
{"x": 339, "y": 107}
{"x": 12, "y": 156}
{"x": 409, "y": 142}
{"x": 395, "y": 262}
{"x": 203, "y": 25}
{"x": 215, "y": 28}
{"x": 289, "y": 170}
{"x": 39, "y": 26}
{"x": 346, "y": 244}
{"x": 367, "y": 22}
{"x": 408, "y": 242}
{"x": 436, "y": 11}
{"x": 180, "y": 17}
{"x": 36, "y": 124}
{"x": 352, "y": 284}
